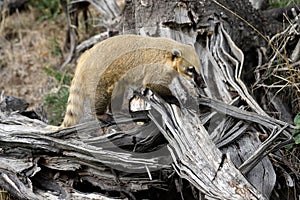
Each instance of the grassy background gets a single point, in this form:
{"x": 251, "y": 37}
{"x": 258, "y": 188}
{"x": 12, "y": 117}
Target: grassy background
{"x": 282, "y": 3}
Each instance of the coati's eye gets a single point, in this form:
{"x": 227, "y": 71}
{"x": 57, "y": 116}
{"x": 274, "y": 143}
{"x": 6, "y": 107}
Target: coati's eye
{"x": 176, "y": 53}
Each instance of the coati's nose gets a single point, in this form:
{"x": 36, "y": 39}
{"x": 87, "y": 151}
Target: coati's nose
{"x": 191, "y": 71}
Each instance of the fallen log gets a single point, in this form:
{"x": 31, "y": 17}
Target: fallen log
{"x": 37, "y": 163}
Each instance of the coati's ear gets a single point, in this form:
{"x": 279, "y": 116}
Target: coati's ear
{"x": 176, "y": 53}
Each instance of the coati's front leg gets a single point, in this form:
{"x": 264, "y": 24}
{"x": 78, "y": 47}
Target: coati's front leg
{"x": 164, "y": 92}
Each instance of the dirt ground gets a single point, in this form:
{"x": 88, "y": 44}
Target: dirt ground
{"x": 28, "y": 46}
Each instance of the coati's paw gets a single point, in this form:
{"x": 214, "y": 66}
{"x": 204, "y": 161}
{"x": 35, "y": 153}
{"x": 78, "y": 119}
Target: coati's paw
{"x": 106, "y": 118}
{"x": 53, "y": 128}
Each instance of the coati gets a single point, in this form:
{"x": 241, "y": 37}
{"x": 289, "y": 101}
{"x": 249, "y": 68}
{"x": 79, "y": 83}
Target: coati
{"x": 154, "y": 76}
{"x": 100, "y": 68}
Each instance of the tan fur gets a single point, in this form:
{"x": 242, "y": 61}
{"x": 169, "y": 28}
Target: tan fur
{"x": 100, "y": 68}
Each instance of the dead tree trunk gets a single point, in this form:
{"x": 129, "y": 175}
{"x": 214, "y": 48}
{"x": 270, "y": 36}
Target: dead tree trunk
{"x": 216, "y": 30}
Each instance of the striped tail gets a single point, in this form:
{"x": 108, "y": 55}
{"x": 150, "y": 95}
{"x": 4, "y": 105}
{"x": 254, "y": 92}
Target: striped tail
{"x": 75, "y": 104}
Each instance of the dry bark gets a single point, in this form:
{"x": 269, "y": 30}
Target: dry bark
{"x": 36, "y": 163}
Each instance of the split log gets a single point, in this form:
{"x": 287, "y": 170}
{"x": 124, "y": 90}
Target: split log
{"x": 212, "y": 27}
{"x": 36, "y": 163}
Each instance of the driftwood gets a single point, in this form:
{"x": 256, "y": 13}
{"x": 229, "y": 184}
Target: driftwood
{"x": 110, "y": 11}
{"x": 34, "y": 161}
{"x": 207, "y": 148}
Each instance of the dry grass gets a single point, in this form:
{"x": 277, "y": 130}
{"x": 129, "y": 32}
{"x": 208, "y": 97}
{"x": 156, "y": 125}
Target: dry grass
{"x": 4, "y": 195}
{"x": 26, "y": 48}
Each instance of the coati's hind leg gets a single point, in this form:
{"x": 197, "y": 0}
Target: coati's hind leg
{"x": 102, "y": 101}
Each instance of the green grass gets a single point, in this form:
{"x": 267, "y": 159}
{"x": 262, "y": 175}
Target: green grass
{"x": 56, "y": 102}
{"x": 55, "y": 47}
{"x": 49, "y": 9}
{"x": 282, "y": 3}
{"x": 296, "y": 132}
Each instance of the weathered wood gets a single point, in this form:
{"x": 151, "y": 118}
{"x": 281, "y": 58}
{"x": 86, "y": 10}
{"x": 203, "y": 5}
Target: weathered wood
{"x": 77, "y": 150}
{"x": 217, "y": 29}
{"x": 110, "y": 11}
{"x": 41, "y": 152}
{"x": 260, "y": 4}
{"x": 196, "y": 158}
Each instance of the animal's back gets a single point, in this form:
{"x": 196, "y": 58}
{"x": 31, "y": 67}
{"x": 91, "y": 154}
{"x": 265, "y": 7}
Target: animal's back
{"x": 98, "y": 58}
